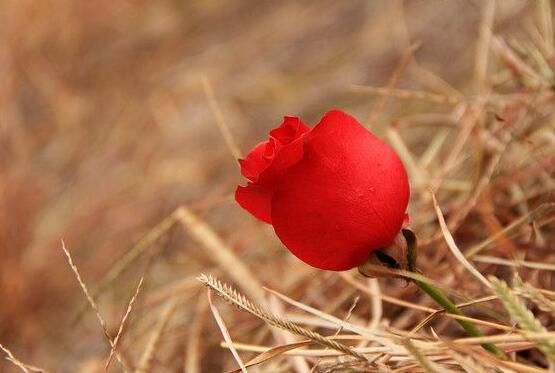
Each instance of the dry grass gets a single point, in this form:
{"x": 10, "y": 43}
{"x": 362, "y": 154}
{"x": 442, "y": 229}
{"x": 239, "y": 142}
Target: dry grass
{"x": 119, "y": 123}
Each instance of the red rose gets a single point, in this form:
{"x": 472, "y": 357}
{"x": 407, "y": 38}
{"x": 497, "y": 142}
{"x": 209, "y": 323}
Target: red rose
{"x": 333, "y": 194}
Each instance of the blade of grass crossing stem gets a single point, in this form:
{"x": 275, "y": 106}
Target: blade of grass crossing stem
{"x": 450, "y": 307}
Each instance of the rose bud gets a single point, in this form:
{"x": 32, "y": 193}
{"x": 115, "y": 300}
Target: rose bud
{"x": 333, "y": 194}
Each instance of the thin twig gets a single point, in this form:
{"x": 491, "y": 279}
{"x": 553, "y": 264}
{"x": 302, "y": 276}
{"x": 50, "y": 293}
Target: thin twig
{"x": 403, "y": 62}
{"x": 220, "y": 119}
{"x": 192, "y": 356}
{"x": 18, "y": 363}
{"x": 453, "y": 246}
{"x": 154, "y": 340}
{"x": 484, "y": 40}
{"x": 225, "y": 332}
{"x": 94, "y": 307}
{"x": 122, "y": 323}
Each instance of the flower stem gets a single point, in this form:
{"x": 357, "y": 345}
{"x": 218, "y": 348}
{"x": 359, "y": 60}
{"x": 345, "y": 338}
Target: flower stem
{"x": 450, "y": 307}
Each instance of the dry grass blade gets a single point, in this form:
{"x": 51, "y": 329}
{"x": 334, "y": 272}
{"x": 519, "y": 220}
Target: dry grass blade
{"x": 453, "y": 246}
{"x": 408, "y": 94}
{"x": 18, "y": 363}
{"x": 466, "y": 362}
{"x": 130, "y": 256}
{"x": 517, "y": 65}
{"x": 405, "y": 59}
{"x": 223, "y": 255}
{"x": 348, "y": 315}
{"x": 423, "y": 360}
{"x": 232, "y": 296}
{"x": 377, "y": 306}
{"x": 220, "y": 119}
{"x": 340, "y": 329}
{"x": 483, "y": 48}
{"x": 506, "y": 338}
{"x": 530, "y": 292}
{"x": 192, "y": 353}
{"x": 514, "y": 263}
{"x": 341, "y": 324}
{"x": 534, "y": 214}
{"x": 350, "y": 280}
{"x": 516, "y": 341}
{"x": 235, "y": 268}
{"x": 512, "y": 366}
{"x": 123, "y": 323}
{"x": 523, "y": 316}
{"x": 318, "y": 352}
{"x": 465, "y": 357}
{"x": 467, "y": 122}
{"x": 183, "y": 287}
{"x": 94, "y": 306}
{"x": 14, "y": 360}
{"x": 413, "y": 168}
{"x": 225, "y": 332}
{"x": 268, "y": 354}
{"x": 154, "y": 340}
{"x": 433, "y": 148}
{"x": 546, "y": 22}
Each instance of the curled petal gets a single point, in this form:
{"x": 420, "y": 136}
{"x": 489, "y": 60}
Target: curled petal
{"x": 287, "y": 142}
{"x": 290, "y": 129}
{"x": 285, "y": 158}
{"x": 255, "y": 162}
{"x": 269, "y": 159}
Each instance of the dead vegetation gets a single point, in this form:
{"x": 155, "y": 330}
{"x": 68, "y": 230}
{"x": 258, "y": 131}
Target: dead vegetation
{"x": 118, "y": 126}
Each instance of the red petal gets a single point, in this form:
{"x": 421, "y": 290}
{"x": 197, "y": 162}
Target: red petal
{"x": 266, "y": 162}
{"x": 345, "y": 199}
{"x": 290, "y": 129}
{"x": 256, "y": 199}
{"x": 255, "y": 162}
{"x": 264, "y": 154}
{"x": 289, "y": 144}
{"x": 284, "y": 159}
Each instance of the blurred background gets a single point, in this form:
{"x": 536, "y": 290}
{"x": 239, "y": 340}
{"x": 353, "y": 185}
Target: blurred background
{"x": 110, "y": 119}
